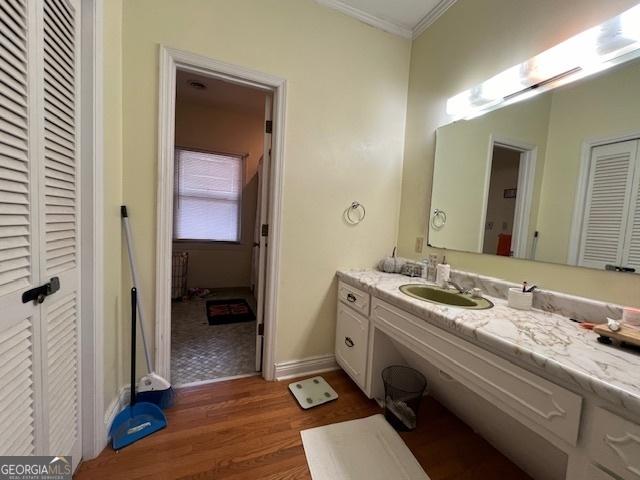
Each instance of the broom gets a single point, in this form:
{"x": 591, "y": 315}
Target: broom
{"x": 152, "y": 387}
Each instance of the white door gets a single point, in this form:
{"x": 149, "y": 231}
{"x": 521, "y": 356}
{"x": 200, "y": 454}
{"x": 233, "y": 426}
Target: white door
{"x": 606, "y": 210}
{"x": 631, "y": 250}
{"x": 39, "y": 235}
{"x": 21, "y": 416}
{"x": 263, "y": 205}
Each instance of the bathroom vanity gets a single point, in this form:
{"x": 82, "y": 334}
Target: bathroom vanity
{"x": 537, "y": 367}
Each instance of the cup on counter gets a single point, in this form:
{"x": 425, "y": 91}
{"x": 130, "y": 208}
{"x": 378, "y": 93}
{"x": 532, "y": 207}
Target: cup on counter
{"x": 520, "y": 300}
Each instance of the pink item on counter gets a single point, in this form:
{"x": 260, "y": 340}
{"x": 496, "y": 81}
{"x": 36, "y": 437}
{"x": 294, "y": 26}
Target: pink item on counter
{"x": 631, "y": 317}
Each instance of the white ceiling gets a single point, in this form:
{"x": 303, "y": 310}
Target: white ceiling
{"x": 218, "y": 93}
{"x": 407, "y": 18}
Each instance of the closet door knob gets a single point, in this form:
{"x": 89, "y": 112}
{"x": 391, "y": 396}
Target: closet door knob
{"x": 348, "y": 342}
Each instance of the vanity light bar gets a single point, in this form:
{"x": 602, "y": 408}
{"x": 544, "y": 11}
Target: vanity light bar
{"x": 591, "y": 51}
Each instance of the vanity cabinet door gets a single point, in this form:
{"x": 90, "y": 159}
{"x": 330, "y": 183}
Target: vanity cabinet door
{"x": 352, "y": 333}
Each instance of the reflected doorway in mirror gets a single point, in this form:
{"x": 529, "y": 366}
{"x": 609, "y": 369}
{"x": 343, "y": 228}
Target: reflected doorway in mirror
{"x": 507, "y": 202}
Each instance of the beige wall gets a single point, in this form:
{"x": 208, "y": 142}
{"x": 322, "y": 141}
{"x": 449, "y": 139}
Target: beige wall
{"x": 346, "y": 105}
{"x": 113, "y": 279}
{"x": 223, "y": 129}
{"x": 471, "y": 42}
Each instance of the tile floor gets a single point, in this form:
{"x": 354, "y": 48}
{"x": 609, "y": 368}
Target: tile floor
{"x": 200, "y": 351}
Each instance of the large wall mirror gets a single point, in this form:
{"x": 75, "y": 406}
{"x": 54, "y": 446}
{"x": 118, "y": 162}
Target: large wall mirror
{"x": 555, "y": 178}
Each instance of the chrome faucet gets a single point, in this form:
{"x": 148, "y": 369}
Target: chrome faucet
{"x": 462, "y": 291}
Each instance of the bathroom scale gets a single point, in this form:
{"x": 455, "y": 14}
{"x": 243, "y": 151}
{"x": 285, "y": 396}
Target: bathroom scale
{"x": 312, "y": 392}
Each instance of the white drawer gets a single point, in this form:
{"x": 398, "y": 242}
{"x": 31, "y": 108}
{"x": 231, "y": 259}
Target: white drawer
{"x": 355, "y": 298}
{"x": 615, "y": 444}
{"x": 520, "y": 392}
{"x": 352, "y": 340}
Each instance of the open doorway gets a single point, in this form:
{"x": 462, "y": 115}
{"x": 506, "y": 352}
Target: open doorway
{"x": 508, "y": 199}
{"x": 222, "y": 145}
{"x": 173, "y": 61}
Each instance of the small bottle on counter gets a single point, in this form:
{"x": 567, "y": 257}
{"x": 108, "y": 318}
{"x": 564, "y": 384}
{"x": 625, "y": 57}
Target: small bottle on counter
{"x": 424, "y": 265}
{"x": 431, "y": 267}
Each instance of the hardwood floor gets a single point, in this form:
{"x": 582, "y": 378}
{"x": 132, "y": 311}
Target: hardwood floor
{"x": 250, "y": 429}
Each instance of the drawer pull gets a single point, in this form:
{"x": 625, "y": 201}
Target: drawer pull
{"x": 351, "y": 297}
{"x": 348, "y": 342}
{"x": 620, "y": 446}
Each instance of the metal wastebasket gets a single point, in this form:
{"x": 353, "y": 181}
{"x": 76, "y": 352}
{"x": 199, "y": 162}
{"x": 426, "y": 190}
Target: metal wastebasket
{"x": 403, "y": 389}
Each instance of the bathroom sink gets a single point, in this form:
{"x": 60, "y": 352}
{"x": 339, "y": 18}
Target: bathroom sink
{"x": 444, "y": 296}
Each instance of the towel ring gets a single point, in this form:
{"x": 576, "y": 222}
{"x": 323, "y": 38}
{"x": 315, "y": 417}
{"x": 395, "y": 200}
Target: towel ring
{"x": 350, "y": 213}
{"x": 438, "y": 219}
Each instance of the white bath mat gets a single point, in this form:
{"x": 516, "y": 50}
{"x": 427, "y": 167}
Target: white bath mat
{"x": 312, "y": 392}
{"x": 365, "y": 449}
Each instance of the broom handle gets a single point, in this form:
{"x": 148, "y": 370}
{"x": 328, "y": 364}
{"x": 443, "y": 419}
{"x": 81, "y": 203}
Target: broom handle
{"x": 134, "y": 275}
{"x": 134, "y": 300}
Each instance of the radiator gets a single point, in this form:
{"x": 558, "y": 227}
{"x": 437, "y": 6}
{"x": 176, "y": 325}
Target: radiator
{"x": 179, "y": 265}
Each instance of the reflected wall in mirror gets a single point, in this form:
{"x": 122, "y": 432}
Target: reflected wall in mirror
{"x": 555, "y": 178}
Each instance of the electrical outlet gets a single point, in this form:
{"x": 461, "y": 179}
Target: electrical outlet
{"x": 419, "y": 244}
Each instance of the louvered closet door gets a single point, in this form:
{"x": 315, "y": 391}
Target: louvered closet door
{"x": 39, "y": 145}
{"x": 21, "y": 417}
{"x": 631, "y": 255}
{"x": 59, "y": 234}
{"x": 607, "y": 207}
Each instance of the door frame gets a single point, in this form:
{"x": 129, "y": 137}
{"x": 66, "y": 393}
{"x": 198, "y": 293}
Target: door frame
{"x": 170, "y": 61}
{"x": 262, "y": 218}
{"x": 94, "y": 435}
{"x": 575, "y": 234}
{"x": 526, "y": 180}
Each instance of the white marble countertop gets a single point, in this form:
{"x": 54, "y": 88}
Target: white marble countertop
{"x": 534, "y": 339}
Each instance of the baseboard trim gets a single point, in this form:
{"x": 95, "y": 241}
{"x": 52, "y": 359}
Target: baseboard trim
{"x": 305, "y": 366}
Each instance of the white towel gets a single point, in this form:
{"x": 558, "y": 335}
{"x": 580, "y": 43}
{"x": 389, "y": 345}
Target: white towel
{"x": 364, "y": 449}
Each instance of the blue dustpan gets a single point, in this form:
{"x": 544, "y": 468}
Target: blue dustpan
{"x": 135, "y": 422}
{"x": 139, "y": 419}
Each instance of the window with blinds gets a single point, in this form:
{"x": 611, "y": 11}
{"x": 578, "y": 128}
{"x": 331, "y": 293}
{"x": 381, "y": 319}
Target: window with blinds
{"x": 208, "y": 196}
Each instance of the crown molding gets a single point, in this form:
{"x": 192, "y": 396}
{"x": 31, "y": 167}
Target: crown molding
{"x": 433, "y": 14}
{"x": 386, "y": 25}
{"x": 367, "y": 18}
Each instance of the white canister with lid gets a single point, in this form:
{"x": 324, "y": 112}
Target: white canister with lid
{"x": 520, "y": 300}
